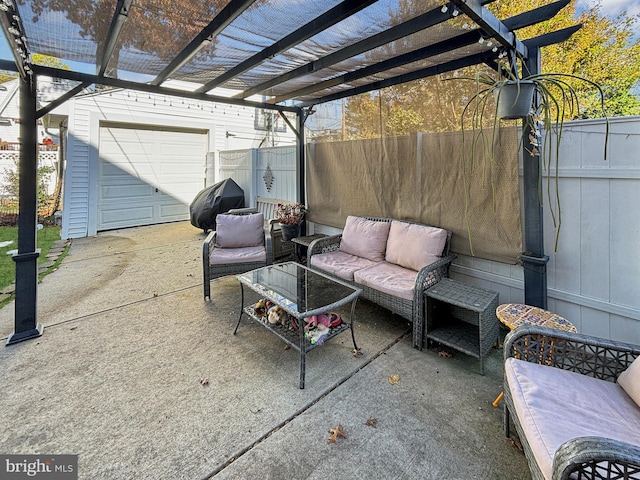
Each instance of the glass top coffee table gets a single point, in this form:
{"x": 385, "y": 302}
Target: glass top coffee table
{"x": 301, "y": 293}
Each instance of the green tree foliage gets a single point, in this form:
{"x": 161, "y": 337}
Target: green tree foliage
{"x": 602, "y": 51}
{"x": 12, "y": 181}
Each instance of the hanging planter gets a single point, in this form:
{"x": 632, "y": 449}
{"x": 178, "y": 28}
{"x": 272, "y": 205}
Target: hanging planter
{"x": 514, "y": 99}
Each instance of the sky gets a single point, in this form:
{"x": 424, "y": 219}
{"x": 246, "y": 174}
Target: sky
{"x": 612, "y": 8}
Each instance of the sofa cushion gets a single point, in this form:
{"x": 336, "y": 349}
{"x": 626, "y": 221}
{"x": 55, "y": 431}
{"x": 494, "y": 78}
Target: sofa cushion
{"x": 629, "y": 380}
{"x": 340, "y": 264}
{"x": 365, "y": 238}
{"x": 414, "y": 246}
{"x": 388, "y": 278}
{"x": 233, "y": 231}
{"x": 222, "y": 256}
{"x": 555, "y": 405}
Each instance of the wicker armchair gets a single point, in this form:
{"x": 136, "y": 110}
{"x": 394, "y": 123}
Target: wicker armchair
{"x": 427, "y": 277}
{"x": 213, "y": 269}
{"x": 584, "y": 457}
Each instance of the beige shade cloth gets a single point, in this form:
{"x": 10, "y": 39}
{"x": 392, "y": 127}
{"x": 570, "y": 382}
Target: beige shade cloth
{"x": 423, "y": 178}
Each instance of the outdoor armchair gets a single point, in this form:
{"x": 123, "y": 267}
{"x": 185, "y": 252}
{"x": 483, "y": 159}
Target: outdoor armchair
{"x": 239, "y": 243}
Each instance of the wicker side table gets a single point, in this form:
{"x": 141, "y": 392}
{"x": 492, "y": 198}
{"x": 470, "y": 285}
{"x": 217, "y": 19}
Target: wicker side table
{"x": 462, "y": 317}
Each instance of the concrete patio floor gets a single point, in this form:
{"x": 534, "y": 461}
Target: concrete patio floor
{"x": 116, "y": 379}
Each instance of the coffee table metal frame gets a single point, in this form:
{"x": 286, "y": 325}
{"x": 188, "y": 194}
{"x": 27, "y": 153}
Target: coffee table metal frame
{"x": 272, "y": 287}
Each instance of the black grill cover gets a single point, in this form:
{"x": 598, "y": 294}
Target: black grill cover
{"x": 218, "y": 198}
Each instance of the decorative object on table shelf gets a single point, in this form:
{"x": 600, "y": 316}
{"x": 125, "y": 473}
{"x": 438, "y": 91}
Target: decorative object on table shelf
{"x": 542, "y": 101}
{"x": 290, "y": 216}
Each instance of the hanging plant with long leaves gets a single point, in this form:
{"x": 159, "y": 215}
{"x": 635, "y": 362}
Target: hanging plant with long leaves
{"x": 556, "y": 100}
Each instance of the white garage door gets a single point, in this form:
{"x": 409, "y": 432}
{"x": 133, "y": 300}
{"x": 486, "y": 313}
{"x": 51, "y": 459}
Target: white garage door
{"x": 148, "y": 175}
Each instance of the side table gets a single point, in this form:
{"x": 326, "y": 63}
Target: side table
{"x": 462, "y": 317}
{"x": 302, "y": 245}
{"x": 513, "y": 315}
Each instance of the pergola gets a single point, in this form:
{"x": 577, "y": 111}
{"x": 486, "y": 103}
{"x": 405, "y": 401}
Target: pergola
{"x": 293, "y": 54}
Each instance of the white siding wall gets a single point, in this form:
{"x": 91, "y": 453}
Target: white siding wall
{"x": 135, "y": 108}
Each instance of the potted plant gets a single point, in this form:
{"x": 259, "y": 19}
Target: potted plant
{"x": 507, "y": 96}
{"x": 290, "y": 216}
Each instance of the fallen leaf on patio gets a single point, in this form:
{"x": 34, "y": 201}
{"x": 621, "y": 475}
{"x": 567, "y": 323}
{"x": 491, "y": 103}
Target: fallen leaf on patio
{"x": 335, "y": 433}
{"x": 204, "y": 381}
{"x": 445, "y": 354}
{"x": 73, "y": 328}
{"x": 515, "y": 444}
{"x": 257, "y": 410}
{"x": 155, "y": 294}
{"x": 287, "y": 347}
{"x": 394, "y": 379}
{"x": 371, "y": 422}
{"x": 357, "y": 352}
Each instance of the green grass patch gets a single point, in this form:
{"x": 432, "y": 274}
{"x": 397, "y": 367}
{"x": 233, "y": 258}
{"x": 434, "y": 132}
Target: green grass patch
{"x": 45, "y": 240}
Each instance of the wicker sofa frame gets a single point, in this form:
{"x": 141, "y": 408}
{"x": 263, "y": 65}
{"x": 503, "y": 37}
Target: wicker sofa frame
{"x": 211, "y": 272}
{"x": 428, "y": 276}
{"x": 583, "y": 457}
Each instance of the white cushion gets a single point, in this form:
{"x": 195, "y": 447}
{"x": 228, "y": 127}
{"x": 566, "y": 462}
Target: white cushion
{"x": 388, "y": 278}
{"x": 414, "y": 246}
{"x": 629, "y": 380}
{"x": 234, "y": 231}
{"x": 365, "y": 238}
{"x": 340, "y": 264}
{"x": 555, "y": 405}
{"x": 225, "y": 256}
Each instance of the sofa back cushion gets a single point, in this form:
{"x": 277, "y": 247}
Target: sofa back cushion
{"x": 365, "y": 238}
{"x": 629, "y": 380}
{"x": 237, "y": 231}
{"x": 414, "y": 246}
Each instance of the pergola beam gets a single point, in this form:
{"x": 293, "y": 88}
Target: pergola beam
{"x": 535, "y": 16}
{"x": 552, "y": 38}
{"x": 144, "y": 87}
{"x": 426, "y": 20}
{"x": 408, "y": 77}
{"x": 120, "y": 16}
{"x": 491, "y": 25}
{"x": 227, "y": 15}
{"x": 460, "y": 41}
{"x": 315, "y": 26}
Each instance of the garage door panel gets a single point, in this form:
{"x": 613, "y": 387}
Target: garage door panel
{"x": 114, "y": 217}
{"x": 125, "y": 193}
{"x": 148, "y": 176}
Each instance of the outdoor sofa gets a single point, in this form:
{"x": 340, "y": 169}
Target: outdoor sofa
{"x": 575, "y": 403}
{"x": 393, "y": 261}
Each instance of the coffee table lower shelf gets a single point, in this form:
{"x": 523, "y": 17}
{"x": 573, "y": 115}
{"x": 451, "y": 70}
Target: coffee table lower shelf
{"x": 295, "y": 337}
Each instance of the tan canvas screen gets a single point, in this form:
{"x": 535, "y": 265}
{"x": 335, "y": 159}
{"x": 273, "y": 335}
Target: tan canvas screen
{"x": 422, "y": 178}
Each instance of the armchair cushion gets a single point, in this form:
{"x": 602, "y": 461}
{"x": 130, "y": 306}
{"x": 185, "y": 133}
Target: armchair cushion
{"x": 365, "y": 238}
{"x": 414, "y": 246}
{"x": 237, "y": 231}
{"x": 556, "y": 405}
{"x": 629, "y": 380}
{"x": 225, "y": 256}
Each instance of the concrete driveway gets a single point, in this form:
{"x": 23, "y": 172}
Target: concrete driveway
{"x": 116, "y": 379}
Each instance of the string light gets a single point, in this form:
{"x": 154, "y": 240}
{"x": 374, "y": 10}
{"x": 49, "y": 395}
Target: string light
{"x": 444, "y": 9}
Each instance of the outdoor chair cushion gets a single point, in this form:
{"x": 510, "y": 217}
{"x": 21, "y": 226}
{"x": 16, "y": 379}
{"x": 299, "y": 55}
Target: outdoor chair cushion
{"x": 629, "y": 380}
{"x": 388, "y": 278}
{"x": 414, "y": 246}
{"x": 234, "y": 231}
{"x": 365, "y": 238}
{"x": 340, "y": 264}
{"x": 225, "y": 256}
{"x": 556, "y": 405}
